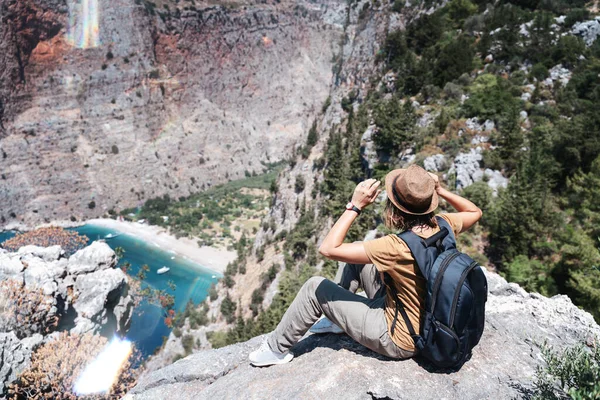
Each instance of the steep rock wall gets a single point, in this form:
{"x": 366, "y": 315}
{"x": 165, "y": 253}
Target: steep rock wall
{"x": 151, "y": 102}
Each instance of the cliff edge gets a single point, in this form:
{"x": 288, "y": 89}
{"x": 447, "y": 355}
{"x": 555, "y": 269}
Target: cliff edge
{"x": 335, "y": 366}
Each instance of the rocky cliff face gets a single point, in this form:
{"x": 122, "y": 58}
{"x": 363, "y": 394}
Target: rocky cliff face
{"x": 86, "y": 287}
{"x": 85, "y": 293}
{"x": 116, "y": 102}
{"x": 335, "y": 366}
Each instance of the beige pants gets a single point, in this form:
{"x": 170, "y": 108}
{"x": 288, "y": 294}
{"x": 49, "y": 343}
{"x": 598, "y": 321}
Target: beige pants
{"x": 361, "y": 318}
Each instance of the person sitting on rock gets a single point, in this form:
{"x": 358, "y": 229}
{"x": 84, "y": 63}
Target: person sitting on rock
{"x": 412, "y": 197}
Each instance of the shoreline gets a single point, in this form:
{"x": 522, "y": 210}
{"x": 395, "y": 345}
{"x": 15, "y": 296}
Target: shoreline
{"x": 214, "y": 259}
{"x": 210, "y": 258}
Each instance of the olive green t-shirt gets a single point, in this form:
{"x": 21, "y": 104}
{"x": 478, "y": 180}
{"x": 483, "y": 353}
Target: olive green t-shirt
{"x": 391, "y": 254}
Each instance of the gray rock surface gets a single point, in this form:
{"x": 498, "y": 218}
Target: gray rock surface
{"x": 368, "y": 150}
{"x": 495, "y": 180}
{"x": 559, "y": 74}
{"x": 51, "y": 253}
{"x": 15, "y": 356}
{"x": 95, "y": 291}
{"x": 190, "y": 97}
{"x": 94, "y": 257}
{"x": 123, "y": 312}
{"x": 466, "y": 166}
{"x": 335, "y": 366}
{"x": 44, "y": 275}
{"x": 588, "y": 30}
{"x": 435, "y": 163}
{"x": 10, "y": 266}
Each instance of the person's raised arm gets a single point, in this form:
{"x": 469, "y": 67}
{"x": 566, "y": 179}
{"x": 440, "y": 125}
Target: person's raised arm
{"x": 333, "y": 246}
{"x": 467, "y": 211}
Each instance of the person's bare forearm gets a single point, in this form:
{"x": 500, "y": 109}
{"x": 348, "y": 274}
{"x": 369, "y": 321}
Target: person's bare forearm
{"x": 459, "y": 203}
{"x": 333, "y": 245}
{"x": 469, "y": 213}
{"x": 338, "y": 231}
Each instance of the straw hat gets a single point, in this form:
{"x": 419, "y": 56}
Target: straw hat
{"x": 412, "y": 190}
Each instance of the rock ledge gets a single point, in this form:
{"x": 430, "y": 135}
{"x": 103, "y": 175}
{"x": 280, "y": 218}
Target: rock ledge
{"x": 335, "y": 366}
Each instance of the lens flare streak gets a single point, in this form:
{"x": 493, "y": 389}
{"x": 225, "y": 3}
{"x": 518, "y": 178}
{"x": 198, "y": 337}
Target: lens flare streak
{"x": 102, "y": 372}
{"x": 84, "y": 25}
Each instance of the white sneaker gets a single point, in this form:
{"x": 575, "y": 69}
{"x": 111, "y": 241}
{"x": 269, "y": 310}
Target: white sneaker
{"x": 264, "y": 356}
{"x": 324, "y": 325}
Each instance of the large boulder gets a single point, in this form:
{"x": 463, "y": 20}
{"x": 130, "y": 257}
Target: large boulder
{"x": 44, "y": 275}
{"x": 96, "y": 291}
{"x": 495, "y": 180}
{"x": 588, "y": 30}
{"x": 51, "y": 253}
{"x": 95, "y": 257}
{"x": 330, "y": 366}
{"x": 123, "y": 312}
{"x": 435, "y": 163}
{"x": 466, "y": 166}
{"x": 11, "y": 266}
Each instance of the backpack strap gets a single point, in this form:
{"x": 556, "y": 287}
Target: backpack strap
{"x": 448, "y": 242}
{"x": 419, "y": 342}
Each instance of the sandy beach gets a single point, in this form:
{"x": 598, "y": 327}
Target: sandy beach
{"x": 208, "y": 257}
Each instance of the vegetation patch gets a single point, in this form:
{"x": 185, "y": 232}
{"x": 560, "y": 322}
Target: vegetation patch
{"x": 69, "y": 241}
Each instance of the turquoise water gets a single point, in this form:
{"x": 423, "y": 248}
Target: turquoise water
{"x": 192, "y": 282}
{"x": 6, "y": 235}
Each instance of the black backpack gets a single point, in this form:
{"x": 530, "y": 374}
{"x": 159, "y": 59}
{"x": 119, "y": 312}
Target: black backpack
{"x": 454, "y": 302}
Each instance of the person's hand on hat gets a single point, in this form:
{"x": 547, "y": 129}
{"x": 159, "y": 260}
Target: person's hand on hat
{"x": 365, "y": 193}
{"x": 436, "y": 179}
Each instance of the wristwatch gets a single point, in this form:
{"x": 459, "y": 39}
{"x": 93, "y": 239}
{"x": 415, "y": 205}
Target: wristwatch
{"x": 352, "y": 207}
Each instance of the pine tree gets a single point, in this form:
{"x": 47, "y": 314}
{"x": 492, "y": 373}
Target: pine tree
{"x": 395, "y": 124}
{"x": 583, "y": 194}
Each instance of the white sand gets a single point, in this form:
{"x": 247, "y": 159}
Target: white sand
{"x": 206, "y": 256}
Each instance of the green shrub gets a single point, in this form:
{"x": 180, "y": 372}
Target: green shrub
{"x": 299, "y": 184}
{"x": 567, "y": 50}
{"x": 212, "y": 292}
{"x": 313, "y": 136}
{"x": 577, "y": 15}
{"x": 188, "y": 343}
{"x": 326, "y": 104}
{"x": 539, "y": 72}
{"x": 531, "y": 274}
{"x": 480, "y": 194}
{"x": 573, "y": 373}
{"x": 217, "y": 339}
{"x": 228, "y": 308}
{"x": 454, "y": 59}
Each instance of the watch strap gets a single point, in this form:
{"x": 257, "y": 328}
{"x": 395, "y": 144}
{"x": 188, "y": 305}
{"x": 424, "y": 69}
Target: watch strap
{"x": 355, "y": 209}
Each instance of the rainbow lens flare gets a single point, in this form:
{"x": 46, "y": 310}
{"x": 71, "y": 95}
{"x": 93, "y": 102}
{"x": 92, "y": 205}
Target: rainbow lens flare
{"x": 102, "y": 372}
{"x": 83, "y": 30}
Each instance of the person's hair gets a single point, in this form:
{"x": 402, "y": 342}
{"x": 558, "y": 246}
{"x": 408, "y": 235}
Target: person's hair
{"x": 394, "y": 218}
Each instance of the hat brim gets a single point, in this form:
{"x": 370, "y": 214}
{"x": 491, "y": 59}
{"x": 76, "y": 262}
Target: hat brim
{"x": 389, "y": 180}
